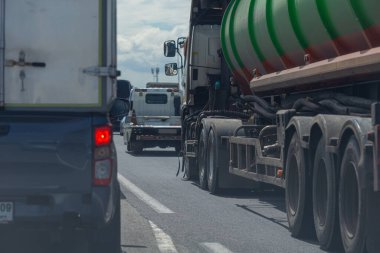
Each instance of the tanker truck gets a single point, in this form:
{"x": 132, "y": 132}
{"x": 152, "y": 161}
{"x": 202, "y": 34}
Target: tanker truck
{"x": 287, "y": 93}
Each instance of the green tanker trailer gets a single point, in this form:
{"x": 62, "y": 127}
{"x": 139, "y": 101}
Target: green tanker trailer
{"x": 265, "y": 36}
{"x": 287, "y": 93}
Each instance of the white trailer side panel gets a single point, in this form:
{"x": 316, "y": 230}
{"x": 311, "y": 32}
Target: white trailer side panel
{"x": 68, "y": 37}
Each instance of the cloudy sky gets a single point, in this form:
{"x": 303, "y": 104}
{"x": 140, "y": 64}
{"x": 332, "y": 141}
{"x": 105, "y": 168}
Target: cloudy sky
{"x": 143, "y": 26}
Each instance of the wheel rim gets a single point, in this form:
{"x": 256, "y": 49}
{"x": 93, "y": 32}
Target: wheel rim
{"x": 350, "y": 200}
{"x": 293, "y": 186}
{"x": 211, "y": 156}
{"x": 201, "y": 161}
{"x": 321, "y": 193}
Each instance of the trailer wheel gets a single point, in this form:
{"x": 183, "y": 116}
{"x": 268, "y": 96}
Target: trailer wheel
{"x": 135, "y": 147}
{"x": 212, "y": 172}
{"x": 202, "y": 163}
{"x": 325, "y": 211}
{"x": 138, "y": 149}
{"x": 297, "y": 191}
{"x": 352, "y": 211}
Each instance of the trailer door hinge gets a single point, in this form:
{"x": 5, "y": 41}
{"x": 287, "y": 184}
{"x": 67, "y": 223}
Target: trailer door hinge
{"x": 102, "y": 71}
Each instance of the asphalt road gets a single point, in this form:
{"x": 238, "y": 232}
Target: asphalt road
{"x": 162, "y": 213}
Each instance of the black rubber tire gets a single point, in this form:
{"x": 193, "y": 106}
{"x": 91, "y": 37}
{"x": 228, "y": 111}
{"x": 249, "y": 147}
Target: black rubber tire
{"x": 202, "y": 162}
{"x": 129, "y": 149}
{"x": 298, "y": 191}
{"x": 212, "y": 166}
{"x": 138, "y": 150}
{"x": 352, "y": 200}
{"x": 136, "y": 147}
{"x": 325, "y": 198}
{"x": 108, "y": 238}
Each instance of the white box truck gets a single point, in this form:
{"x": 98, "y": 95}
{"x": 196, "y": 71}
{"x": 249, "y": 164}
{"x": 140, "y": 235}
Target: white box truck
{"x": 57, "y": 81}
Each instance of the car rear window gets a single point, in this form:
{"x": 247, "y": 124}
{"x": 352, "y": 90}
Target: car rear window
{"x": 156, "y": 99}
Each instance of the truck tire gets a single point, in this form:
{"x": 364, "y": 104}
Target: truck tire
{"x": 202, "y": 162}
{"x": 135, "y": 147}
{"x": 211, "y": 157}
{"x": 325, "y": 195}
{"x": 352, "y": 201}
{"x": 107, "y": 239}
{"x": 129, "y": 149}
{"x": 297, "y": 191}
{"x": 138, "y": 149}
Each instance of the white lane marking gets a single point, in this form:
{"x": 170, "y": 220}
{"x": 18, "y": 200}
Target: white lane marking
{"x": 153, "y": 203}
{"x": 164, "y": 241}
{"x": 214, "y": 247}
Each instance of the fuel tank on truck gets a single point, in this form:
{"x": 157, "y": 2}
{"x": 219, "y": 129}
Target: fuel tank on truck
{"x": 260, "y": 37}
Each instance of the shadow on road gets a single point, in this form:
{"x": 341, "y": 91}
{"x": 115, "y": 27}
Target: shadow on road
{"x": 266, "y": 195}
{"x": 134, "y": 246}
{"x": 155, "y": 153}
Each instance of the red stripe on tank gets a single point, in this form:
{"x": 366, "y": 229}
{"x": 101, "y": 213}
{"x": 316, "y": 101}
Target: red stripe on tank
{"x": 242, "y": 83}
{"x": 343, "y": 45}
{"x": 373, "y": 35}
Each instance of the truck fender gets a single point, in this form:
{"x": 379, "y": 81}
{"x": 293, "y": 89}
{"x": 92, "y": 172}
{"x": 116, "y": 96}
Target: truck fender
{"x": 359, "y": 127}
{"x": 301, "y": 125}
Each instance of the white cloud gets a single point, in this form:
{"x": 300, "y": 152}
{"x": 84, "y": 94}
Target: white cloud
{"x": 143, "y": 26}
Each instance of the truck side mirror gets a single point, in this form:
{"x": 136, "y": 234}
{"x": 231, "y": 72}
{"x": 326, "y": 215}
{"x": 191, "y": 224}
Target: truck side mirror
{"x": 170, "y": 48}
{"x": 119, "y": 107}
{"x": 171, "y": 69}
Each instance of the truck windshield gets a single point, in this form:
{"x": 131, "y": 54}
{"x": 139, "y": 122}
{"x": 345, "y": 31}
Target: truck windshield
{"x": 156, "y": 99}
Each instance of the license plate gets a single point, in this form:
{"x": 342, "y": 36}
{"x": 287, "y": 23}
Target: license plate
{"x": 6, "y": 212}
{"x": 167, "y": 131}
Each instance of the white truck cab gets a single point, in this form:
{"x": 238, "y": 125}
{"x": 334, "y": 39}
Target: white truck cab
{"x": 154, "y": 119}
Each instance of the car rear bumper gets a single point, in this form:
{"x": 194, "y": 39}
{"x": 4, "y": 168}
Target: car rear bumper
{"x": 61, "y": 210}
{"x": 155, "y": 133}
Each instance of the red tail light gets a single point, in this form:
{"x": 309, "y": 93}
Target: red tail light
{"x": 102, "y": 156}
{"x": 103, "y": 135}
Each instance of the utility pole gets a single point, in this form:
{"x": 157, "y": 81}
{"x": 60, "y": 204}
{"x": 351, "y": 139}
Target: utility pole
{"x": 155, "y": 72}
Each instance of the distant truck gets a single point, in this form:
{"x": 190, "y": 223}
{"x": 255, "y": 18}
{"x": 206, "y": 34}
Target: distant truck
{"x": 57, "y": 81}
{"x": 154, "y": 119}
{"x": 287, "y": 93}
